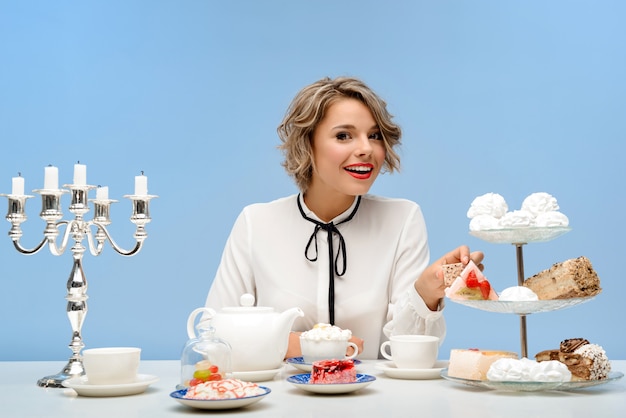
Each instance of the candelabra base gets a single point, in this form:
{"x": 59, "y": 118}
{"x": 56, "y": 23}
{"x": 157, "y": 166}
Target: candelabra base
{"x": 73, "y": 368}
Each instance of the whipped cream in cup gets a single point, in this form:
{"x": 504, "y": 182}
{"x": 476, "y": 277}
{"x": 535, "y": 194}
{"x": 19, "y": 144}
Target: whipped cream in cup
{"x": 327, "y": 332}
{"x": 327, "y": 342}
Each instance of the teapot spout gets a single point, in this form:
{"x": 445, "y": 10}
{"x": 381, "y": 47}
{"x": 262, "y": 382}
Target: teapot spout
{"x": 289, "y": 316}
{"x": 283, "y": 324}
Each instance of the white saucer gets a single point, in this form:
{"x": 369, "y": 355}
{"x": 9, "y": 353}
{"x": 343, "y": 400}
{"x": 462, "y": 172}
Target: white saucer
{"x": 256, "y": 376}
{"x": 83, "y": 388}
{"x": 298, "y": 363}
{"x": 390, "y": 369}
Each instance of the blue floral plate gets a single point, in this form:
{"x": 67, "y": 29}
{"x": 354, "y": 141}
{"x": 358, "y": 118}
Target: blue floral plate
{"x": 301, "y": 381}
{"x": 218, "y": 403}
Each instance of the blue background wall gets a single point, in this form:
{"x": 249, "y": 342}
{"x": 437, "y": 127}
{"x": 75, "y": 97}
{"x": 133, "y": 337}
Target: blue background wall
{"x": 511, "y": 97}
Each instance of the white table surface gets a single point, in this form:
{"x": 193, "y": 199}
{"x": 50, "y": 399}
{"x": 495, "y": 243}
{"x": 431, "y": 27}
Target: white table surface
{"x": 21, "y": 397}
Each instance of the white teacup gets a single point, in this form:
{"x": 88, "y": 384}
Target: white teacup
{"x": 411, "y": 351}
{"x": 111, "y": 365}
{"x": 321, "y": 349}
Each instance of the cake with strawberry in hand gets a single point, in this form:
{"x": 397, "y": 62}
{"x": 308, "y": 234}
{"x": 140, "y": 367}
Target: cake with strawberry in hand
{"x": 471, "y": 284}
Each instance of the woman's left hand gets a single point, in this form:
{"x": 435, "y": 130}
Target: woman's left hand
{"x": 430, "y": 285}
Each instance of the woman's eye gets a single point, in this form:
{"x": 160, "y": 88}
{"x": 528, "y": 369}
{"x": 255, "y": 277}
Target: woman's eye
{"x": 343, "y": 136}
{"x": 376, "y": 135}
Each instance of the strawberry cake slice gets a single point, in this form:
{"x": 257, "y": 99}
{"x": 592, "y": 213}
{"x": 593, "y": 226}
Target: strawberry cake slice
{"x": 333, "y": 371}
{"x": 471, "y": 285}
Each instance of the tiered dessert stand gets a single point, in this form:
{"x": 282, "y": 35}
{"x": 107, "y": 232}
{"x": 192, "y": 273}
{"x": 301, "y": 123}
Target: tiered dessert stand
{"x": 520, "y": 237}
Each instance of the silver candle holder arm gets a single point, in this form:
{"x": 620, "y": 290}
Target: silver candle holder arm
{"x": 76, "y": 229}
{"x": 140, "y": 217}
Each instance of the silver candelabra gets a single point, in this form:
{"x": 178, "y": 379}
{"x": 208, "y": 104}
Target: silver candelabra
{"x": 76, "y": 229}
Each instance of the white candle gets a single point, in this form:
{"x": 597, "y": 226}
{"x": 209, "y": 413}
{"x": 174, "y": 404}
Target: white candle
{"x": 80, "y": 174}
{"x": 141, "y": 185}
{"x": 17, "y": 186}
{"x": 102, "y": 193}
{"x": 51, "y": 178}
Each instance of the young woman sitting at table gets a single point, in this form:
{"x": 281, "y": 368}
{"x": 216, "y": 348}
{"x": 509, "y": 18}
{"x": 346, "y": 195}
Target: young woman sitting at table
{"x": 345, "y": 257}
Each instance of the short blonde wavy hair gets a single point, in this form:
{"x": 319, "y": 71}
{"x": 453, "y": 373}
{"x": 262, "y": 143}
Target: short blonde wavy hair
{"x": 307, "y": 110}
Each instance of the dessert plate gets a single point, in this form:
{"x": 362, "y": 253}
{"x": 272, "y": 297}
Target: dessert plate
{"x": 257, "y": 376}
{"x": 523, "y": 307}
{"x": 525, "y": 235}
{"x": 532, "y": 386}
{"x": 301, "y": 381}
{"x": 390, "y": 369}
{"x": 298, "y": 363}
{"x": 83, "y": 388}
{"x": 218, "y": 403}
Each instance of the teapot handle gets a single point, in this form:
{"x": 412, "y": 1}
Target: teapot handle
{"x": 191, "y": 329}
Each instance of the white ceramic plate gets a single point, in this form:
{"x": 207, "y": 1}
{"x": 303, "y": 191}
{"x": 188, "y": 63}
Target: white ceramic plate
{"x": 532, "y": 386}
{"x": 522, "y": 307}
{"x": 301, "y": 381}
{"x": 298, "y": 363}
{"x": 218, "y": 403}
{"x": 256, "y": 376}
{"x": 390, "y": 369}
{"x": 83, "y": 388}
{"x": 525, "y": 235}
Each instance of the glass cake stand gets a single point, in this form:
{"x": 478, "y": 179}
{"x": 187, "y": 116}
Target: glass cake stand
{"x": 520, "y": 237}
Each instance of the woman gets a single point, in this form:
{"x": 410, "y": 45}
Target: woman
{"x": 344, "y": 257}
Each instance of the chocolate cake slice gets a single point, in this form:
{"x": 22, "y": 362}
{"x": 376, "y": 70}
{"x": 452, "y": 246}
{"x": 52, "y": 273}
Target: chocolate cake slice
{"x": 584, "y": 360}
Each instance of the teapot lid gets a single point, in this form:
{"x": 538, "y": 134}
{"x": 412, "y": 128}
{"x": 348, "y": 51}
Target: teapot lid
{"x": 247, "y": 306}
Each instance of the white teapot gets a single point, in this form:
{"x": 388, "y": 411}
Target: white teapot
{"x": 258, "y": 336}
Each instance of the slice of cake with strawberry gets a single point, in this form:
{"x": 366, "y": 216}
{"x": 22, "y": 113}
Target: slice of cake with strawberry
{"x": 333, "y": 371}
{"x": 471, "y": 285}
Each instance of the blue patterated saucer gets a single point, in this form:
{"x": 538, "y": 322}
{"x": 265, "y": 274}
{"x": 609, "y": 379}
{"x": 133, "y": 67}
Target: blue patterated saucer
{"x": 301, "y": 381}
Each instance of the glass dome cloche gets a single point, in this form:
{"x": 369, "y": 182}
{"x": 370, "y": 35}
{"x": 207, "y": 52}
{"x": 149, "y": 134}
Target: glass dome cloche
{"x": 205, "y": 358}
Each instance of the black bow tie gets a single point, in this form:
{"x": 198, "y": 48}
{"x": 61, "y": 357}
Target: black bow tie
{"x": 333, "y": 268}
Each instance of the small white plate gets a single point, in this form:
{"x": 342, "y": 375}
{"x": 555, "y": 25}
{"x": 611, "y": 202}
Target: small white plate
{"x": 390, "y": 369}
{"x": 298, "y": 363}
{"x": 218, "y": 403}
{"x": 256, "y": 376}
{"x": 301, "y": 381}
{"x": 83, "y": 388}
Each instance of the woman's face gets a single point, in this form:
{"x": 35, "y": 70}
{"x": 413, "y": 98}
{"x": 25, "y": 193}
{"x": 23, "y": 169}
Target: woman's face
{"x": 348, "y": 150}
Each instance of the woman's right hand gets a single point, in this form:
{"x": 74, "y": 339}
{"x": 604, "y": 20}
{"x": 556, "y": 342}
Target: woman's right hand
{"x": 430, "y": 285}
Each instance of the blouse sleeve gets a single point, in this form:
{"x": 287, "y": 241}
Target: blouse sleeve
{"x": 407, "y": 312}
{"x": 234, "y": 276}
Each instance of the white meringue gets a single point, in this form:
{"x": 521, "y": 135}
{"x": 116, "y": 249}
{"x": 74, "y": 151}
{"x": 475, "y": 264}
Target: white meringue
{"x": 518, "y": 294}
{"x": 516, "y": 219}
{"x": 488, "y": 204}
{"x": 551, "y": 218}
{"x": 484, "y": 222}
{"x": 526, "y": 370}
{"x": 540, "y": 202}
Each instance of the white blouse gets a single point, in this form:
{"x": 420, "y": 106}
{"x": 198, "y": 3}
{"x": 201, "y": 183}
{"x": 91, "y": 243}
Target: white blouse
{"x": 386, "y": 251}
